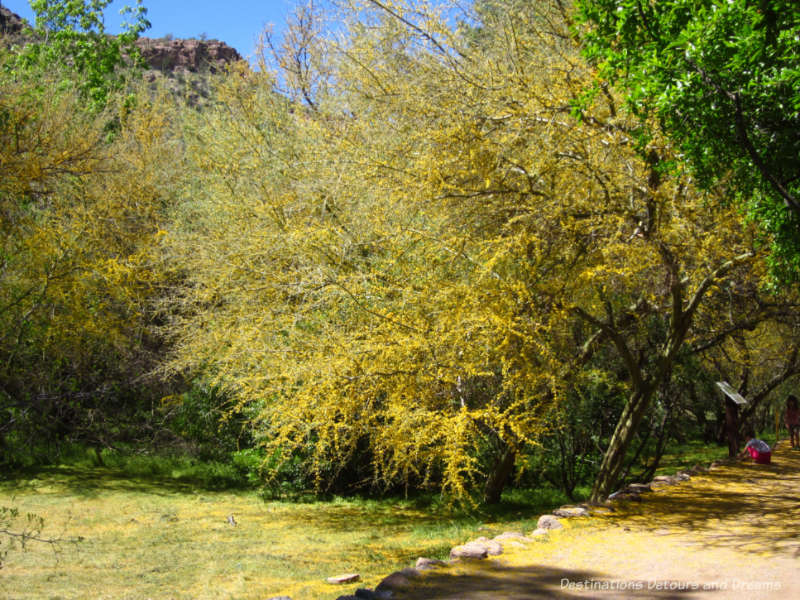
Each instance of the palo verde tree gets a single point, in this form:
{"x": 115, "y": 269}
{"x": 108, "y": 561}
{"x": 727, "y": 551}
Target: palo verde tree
{"x": 80, "y": 214}
{"x": 722, "y": 79}
{"x": 415, "y": 267}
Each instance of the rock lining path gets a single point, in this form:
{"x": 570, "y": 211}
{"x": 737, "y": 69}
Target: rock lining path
{"x": 730, "y": 532}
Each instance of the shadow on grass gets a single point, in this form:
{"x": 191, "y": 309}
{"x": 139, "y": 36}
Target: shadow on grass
{"x": 90, "y": 482}
{"x": 532, "y": 582}
{"x": 399, "y": 513}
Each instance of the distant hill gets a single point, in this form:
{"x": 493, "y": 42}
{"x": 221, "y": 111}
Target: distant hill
{"x": 167, "y": 55}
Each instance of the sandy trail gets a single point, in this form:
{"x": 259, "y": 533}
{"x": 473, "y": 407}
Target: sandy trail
{"x": 731, "y": 533}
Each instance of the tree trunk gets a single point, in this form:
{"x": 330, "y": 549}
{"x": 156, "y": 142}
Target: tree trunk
{"x": 499, "y": 475}
{"x": 614, "y": 458}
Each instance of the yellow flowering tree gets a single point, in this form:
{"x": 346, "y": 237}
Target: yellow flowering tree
{"x": 80, "y": 216}
{"x": 414, "y": 266}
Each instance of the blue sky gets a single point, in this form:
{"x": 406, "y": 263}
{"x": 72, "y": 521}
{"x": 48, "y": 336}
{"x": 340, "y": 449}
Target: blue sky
{"x": 237, "y": 22}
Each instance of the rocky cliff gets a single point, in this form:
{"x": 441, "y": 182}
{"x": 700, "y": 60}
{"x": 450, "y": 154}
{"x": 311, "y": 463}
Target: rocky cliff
{"x": 192, "y": 55}
{"x": 11, "y": 24}
{"x": 170, "y": 56}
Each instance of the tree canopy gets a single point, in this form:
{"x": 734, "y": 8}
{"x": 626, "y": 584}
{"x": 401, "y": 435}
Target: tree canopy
{"x": 420, "y": 265}
{"x": 71, "y": 35}
{"x": 723, "y": 79}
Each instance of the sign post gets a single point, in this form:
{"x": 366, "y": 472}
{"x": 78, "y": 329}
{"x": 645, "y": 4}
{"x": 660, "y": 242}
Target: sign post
{"x": 733, "y": 400}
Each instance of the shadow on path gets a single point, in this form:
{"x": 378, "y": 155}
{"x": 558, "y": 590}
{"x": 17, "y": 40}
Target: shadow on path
{"x": 735, "y": 526}
{"x": 534, "y": 582}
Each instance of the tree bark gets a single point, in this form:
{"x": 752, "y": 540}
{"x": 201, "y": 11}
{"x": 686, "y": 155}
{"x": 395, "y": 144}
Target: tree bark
{"x": 614, "y": 458}
{"x": 499, "y": 475}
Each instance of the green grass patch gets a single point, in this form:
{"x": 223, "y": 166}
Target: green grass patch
{"x": 169, "y": 468}
{"x": 685, "y": 456}
{"x": 146, "y": 533}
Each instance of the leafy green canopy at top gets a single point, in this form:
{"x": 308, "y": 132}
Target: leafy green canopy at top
{"x": 72, "y": 34}
{"x": 723, "y": 79}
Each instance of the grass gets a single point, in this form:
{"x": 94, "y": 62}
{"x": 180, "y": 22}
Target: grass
{"x": 685, "y": 456}
{"x": 159, "y": 535}
{"x": 156, "y": 527}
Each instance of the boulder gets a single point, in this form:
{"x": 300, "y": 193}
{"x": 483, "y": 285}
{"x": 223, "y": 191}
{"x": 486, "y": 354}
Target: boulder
{"x": 397, "y": 580}
{"x": 548, "y": 522}
{"x": 493, "y": 548}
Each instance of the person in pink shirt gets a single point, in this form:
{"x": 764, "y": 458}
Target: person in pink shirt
{"x": 758, "y": 450}
{"x": 792, "y": 420}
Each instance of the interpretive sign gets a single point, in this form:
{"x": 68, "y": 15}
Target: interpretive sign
{"x": 731, "y": 393}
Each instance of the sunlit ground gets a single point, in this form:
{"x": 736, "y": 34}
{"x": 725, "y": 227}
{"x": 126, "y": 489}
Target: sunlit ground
{"x": 732, "y": 533}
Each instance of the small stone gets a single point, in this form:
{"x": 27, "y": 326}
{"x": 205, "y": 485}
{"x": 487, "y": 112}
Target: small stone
{"x": 512, "y": 535}
{"x": 339, "y": 579}
{"x": 279, "y": 598}
{"x": 493, "y": 548}
{"x": 625, "y": 495}
{"x": 663, "y": 480}
{"x": 571, "y": 511}
{"x": 638, "y": 488}
{"x": 548, "y": 522}
{"x": 682, "y": 476}
{"x": 429, "y": 563}
{"x": 540, "y": 531}
{"x": 470, "y": 550}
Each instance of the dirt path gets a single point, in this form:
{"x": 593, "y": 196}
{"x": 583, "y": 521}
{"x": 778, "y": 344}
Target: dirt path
{"x": 731, "y": 533}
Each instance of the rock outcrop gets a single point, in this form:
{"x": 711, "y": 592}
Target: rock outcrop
{"x": 10, "y": 23}
{"x": 167, "y": 55}
{"x": 190, "y": 55}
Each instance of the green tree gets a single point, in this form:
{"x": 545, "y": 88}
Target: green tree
{"x": 70, "y": 35}
{"x": 722, "y": 77}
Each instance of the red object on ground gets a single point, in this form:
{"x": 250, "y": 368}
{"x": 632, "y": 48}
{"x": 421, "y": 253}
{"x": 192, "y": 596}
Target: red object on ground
{"x": 762, "y": 458}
